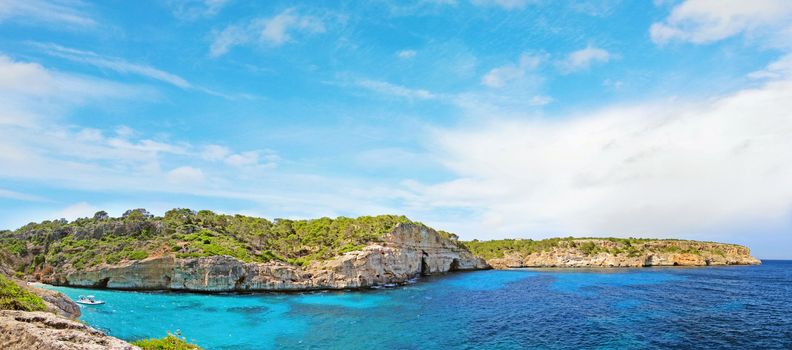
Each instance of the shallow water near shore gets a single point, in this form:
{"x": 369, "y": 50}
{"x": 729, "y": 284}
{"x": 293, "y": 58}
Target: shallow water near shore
{"x": 652, "y": 308}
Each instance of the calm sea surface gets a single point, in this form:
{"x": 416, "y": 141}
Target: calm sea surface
{"x": 742, "y": 307}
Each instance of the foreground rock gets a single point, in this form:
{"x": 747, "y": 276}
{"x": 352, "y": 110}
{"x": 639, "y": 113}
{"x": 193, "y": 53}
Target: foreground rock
{"x": 20, "y": 330}
{"x": 56, "y": 302}
{"x": 410, "y": 250}
{"x": 614, "y": 253}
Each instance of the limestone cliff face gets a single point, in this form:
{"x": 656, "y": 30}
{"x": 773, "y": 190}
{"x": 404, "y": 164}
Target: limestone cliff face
{"x": 650, "y": 253}
{"x": 20, "y": 330}
{"x": 406, "y": 252}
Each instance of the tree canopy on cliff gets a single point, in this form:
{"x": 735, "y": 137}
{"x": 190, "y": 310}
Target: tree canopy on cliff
{"x": 187, "y": 233}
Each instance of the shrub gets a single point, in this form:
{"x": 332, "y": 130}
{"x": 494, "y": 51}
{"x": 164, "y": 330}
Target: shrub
{"x": 170, "y": 342}
{"x": 13, "y": 297}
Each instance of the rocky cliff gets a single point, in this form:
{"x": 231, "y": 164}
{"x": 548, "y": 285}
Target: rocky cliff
{"x": 620, "y": 253}
{"x": 408, "y": 251}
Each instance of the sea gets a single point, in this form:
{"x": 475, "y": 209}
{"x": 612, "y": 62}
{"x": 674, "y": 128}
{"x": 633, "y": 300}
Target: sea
{"x": 733, "y": 307}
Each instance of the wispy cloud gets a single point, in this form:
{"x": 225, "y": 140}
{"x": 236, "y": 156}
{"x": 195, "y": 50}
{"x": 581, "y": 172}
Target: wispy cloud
{"x": 406, "y": 54}
{"x": 21, "y": 196}
{"x": 506, "y": 4}
{"x": 113, "y": 63}
{"x": 29, "y": 91}
{"x": 583, "y": 59}
{"x": 191, "y": 10}
{"x": 386, "y": 88}
{"x": 69, "y": 13}
{"x": 273, "y": 31}
{"x": 265, "y": 158}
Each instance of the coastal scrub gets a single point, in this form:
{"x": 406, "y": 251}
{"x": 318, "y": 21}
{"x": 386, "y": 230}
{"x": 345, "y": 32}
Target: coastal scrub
{"x": 13, "y": 297}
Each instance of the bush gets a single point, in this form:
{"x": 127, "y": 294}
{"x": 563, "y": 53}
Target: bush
{"x": 13, "y": 297}
{"x": 170, "y": 342}
{"x": 137, "y": 255}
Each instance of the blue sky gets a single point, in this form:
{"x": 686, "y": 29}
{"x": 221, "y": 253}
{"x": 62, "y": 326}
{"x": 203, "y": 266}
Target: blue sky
{"x": 489, "y": 118}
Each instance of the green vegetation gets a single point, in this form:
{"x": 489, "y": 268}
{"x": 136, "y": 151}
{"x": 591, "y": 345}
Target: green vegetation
{"x": 13, "y": 297}
{"x": 170, "y": 342}
{"x": 631, "y": 247}
{"x": 136, "y": 235}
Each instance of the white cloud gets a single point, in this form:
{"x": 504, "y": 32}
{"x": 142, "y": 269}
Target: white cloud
{"x": 500, "y": 76}
{"x": 76, "y": 210}
{"x": 185, "y": 175}
{"x": 540, "y": 100}
{"x": 583, "y": 59}
{"x": 243, "y": 159}
{"x": 669, "y": 168}
{"x": 217, "y": 153}
{"x": 69, "y": 13}
{"x": 506, "y": 4}
{"x": 273, "y": 31}
{"x": 233, "y": 35}
{"x": 277, "y": 30}
{"x": 190, "y": 10}
{"x": 703, "y": 21}
{"x": 396, "y": 90}
{"x": 406, "y": 54}
{"x": 113, "y": 63}
{"x": 28, "y": 91}
{"x": 779, "y": 69}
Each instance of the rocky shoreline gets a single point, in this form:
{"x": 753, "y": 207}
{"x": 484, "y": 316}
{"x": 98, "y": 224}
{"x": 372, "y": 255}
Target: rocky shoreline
{"x": 408, "y": 251}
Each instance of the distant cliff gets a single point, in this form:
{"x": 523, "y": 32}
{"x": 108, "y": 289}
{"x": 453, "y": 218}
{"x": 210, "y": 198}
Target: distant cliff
{"x": 608, "y": 252}
{"x": 203, "y": 251}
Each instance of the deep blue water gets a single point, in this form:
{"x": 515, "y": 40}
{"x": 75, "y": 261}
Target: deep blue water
{"x": 741, "y": 307}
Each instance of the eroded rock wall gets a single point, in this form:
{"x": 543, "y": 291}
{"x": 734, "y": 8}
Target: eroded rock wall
{"x": 408, "y": 251}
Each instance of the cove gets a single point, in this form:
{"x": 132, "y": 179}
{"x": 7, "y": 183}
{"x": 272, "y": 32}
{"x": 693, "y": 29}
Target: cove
{"x": 723, "y": 307}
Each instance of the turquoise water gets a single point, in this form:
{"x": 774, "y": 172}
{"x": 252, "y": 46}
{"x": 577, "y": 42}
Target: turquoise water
{"x": 717, "y": 308}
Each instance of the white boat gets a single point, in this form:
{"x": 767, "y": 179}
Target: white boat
{"x": 88, "y": 300}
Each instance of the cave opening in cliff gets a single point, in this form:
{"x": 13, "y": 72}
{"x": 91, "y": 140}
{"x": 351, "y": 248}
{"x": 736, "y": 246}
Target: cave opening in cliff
{"x": 454, "y": 265}
{"x": 102, "y": 283}
{"x": 425, "y": 269}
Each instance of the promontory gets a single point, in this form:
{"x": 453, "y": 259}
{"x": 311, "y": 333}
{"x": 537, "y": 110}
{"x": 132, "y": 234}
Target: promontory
{"x": 208, "y": 252}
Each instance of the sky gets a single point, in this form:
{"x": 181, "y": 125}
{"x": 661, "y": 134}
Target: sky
{"x": 488, "y": 118}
